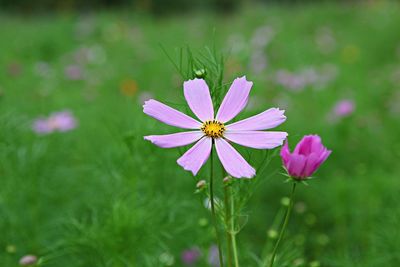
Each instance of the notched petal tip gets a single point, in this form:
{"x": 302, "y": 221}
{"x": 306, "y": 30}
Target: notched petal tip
{"x": 243, "y": 78}
{"x": 150, "y": 138}
{"x": 193, "y": 159}
{"x": 187, "y": 167}
{"x": 146, "y": 103}
{"x": 250, "y": 175}
{"x": 193, "y": 80}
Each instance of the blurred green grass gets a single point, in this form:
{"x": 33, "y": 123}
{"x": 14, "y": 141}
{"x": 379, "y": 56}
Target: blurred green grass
{"x": 101, "y": 196}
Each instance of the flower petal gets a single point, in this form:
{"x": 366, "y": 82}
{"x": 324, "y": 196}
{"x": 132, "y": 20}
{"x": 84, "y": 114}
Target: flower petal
{"x": 322, "y": 157}
{"x": 175, "y": 140}
{"x": 304, "y": 146}
{"x": 311, "y": 164}
{"x": 256, "y": 139}
{"x": 263, "y": 121}
{"x": 235, "y": 100}
{"x": 285, "y": 154}
{"x": 296, "y": 165}
{"x": 310, "y": 144}
{"x": 169, "y": 115}
{"x": 196, "y": 156}
{"x": 232, "y": 161}
{"x": 198, "y": 97}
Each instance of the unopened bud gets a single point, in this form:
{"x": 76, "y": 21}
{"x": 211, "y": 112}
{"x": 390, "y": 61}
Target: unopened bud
{"x": 227, "y": 180}
{"x": 200, "y": 73}
{"x": 201, "y": 184}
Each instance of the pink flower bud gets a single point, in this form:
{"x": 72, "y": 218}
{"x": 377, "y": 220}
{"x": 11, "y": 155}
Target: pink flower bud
{"x": 306, "y": 158}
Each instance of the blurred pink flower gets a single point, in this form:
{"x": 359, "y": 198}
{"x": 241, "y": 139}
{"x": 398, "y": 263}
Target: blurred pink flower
{"x": 258, "y": 61}
{"x": 262, "y": 36}
{"x": 28, "y": 260}
{"x": 216, "y": 130}
{"x": 41, "y": 126}
{"x": 59, "y": 121}
{"x": 343, "y": 108}
{"x": 190, "y": 256}
{"x": 309, "y": 76}
{"x": 290, "y": 80}
{"x": 213, "y": 257}
{"x": 94, "y": 54}
{"x": 73, "y": 72}
{"x": 306, "y": 158}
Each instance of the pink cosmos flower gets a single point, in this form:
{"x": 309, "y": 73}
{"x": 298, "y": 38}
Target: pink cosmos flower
{"x": 214, "y": 130}
{"x": 60, "y": 121}
{"x": 306, "y": 158}
{"x": 343, "y": 108}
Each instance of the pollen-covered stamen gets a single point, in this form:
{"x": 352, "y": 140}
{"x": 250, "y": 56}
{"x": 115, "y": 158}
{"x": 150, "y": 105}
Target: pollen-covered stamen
{"x": 214, "y": 129}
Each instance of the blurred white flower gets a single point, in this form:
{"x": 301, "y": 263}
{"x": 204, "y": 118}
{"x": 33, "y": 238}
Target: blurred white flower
{"x": 28, "y": 260}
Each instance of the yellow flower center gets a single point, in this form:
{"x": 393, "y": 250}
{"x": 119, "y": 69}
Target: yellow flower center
{"x": 214, "y": 129}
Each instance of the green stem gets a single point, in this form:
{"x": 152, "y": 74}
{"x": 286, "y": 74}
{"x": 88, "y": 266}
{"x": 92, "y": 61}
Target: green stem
{"x": 232, "y": 230}
{"x": 228, "y": 225}
{"x": 214, "y": 219}
{"x": 289, "y": 209}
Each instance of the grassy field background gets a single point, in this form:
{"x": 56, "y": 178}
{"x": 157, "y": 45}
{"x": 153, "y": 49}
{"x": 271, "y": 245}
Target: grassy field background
{"x": 99, "y": 195}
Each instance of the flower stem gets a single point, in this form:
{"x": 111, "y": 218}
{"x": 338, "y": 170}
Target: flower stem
{"x": 289, "y": 209}
{"x": 213, "y": 216}
{"x": 232, "y": 229}
{"x": 228, "y": 224}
